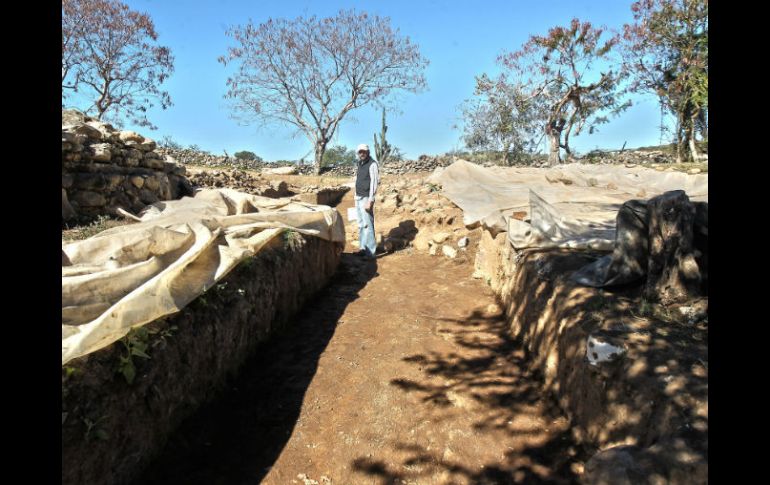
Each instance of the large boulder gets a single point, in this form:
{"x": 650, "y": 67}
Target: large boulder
{"x": 126, "y": 136}
{"x": 85, "y": 132}
{"x": 72, "y": 117}
{"x": 102, "y": 152}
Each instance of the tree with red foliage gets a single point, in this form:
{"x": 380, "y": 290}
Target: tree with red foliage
{"x": 554, "y": 74}
{"x": 666, "y": 52}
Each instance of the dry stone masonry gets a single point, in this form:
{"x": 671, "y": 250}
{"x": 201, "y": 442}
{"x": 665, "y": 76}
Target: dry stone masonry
{"x": 259, "y": 185}
{"x": 104, "y": 169}
{"x": 424, "y": 163}
{"x": 397, "y": 167}
{"x": 241, "y": 181}
{"x": 189, "y": 156}
{"x": 193, "y": 157}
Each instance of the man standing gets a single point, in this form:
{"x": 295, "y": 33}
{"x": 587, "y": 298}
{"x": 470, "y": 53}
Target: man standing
{"x": 367, "y": 180}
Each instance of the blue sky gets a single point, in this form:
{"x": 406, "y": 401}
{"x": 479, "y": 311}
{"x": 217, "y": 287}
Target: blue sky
{"x": 461, "y": 39}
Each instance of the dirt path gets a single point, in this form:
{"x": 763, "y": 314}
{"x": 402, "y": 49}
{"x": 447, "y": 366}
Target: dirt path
{"x": 399, "y": 373}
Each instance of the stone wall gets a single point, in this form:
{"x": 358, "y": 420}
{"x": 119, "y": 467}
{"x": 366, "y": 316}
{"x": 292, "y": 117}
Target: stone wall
{"x": 104, "y": 169}
{"x": 424, "y": 163}
{"x": 646, "y": 410}
{"x": 428, "y": 163}
{"x": 633, "y": 157}
{"x": 242, "y": 181}
{"x": 189, "y": 156}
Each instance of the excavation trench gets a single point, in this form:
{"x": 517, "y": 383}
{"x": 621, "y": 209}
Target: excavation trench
{"x": 399, "y": 370}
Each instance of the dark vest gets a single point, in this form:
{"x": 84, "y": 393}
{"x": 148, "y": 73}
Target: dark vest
{"x": 363, "y": 179}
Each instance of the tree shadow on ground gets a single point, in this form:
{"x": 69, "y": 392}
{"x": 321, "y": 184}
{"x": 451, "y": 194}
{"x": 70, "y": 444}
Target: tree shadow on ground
{"x": 238, "y": 437}
{"x": 489, "y": 374}
{"x": 655, "y": 394}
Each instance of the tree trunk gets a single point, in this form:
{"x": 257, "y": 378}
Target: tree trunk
{"x": 508, "y": 154}
{"x": 693, "y": 130}
{"x": 100, "y": 103}
{"x": 567, "y": 132}
{"x": 685, "y": 144}
{"x": 703, "y": 124}
{"x": 553, "y": 154}
{"x": 567, "y": 150}
{"x": 680, "y": 144}
{"x": 693, "y": 148}
{"x": 553, "y": 130}
{"x": 320, "y": 149}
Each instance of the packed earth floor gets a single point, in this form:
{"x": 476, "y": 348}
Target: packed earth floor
{"x": 399, "y": 372}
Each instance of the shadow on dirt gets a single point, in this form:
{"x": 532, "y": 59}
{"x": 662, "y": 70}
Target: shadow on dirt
{"x": 237, "y": 438}
{"x": 503, "y": 391}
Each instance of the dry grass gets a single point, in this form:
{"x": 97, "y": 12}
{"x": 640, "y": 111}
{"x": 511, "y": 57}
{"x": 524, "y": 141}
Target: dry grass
{"x": 84, "y": 231}
{"x": 685, "y": 167}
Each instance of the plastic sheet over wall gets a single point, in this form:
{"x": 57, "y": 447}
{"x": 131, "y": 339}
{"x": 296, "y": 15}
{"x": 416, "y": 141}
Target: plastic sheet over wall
{"x": 131, "y": 275}
{"x": 572, "y": 206}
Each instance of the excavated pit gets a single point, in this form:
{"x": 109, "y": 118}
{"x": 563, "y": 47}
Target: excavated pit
{"x": 111, "y": 429}
{"x": 643, "y": 414}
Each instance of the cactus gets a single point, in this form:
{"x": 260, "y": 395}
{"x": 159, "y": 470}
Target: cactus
{"x": 382, "y": 150}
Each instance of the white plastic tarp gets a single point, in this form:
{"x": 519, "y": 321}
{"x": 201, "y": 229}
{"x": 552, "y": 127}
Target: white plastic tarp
{"x": 131, "y": 275}
{"x": 574, "y": 205}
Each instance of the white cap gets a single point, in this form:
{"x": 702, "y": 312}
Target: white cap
{"x": 362, "y": 147}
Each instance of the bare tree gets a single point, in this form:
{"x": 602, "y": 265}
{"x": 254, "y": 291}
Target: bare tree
{"x": 109, "y": 57}
{"x": 72, "y": 26}
{"x": 310, "y": 72}
{"x": 557, "y": 69}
